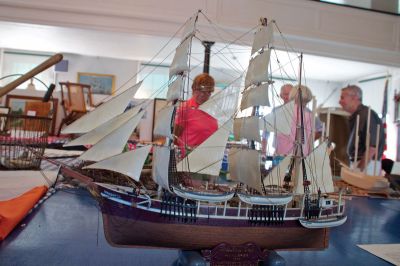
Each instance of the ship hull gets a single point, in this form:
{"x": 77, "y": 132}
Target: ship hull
{"x": 361, "y": 180}
{"x": 133, "y": 226}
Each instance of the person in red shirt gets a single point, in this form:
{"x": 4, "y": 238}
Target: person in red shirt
{"x": 194, "y": 126}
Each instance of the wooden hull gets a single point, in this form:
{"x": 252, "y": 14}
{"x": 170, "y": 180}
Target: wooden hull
{"x": 131, "y": 221}
{"x": 367, "y": 182}
{"x": 134, "y": 231}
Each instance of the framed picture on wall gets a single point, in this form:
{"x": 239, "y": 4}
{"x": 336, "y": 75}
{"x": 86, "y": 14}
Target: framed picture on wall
{"x": 101, "y": 83}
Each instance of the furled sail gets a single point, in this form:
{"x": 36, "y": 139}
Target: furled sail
{"x": 318, "y": 171}
{"x": 103, "y": 113}
{"x": 255, "y": 96}
{"x": 207, "y": 157}
{"x": 222, "y": 105}
{"x": 128, "y": 163}
{"x": 175, "y": 89}
{"x": 162, "y": 125}
{"x": 263, "y": 37}
{"x": 258, "y": 69}
{"x": 280, "y": 119}
{"x": 161, "y": 156}
{"x": 244, "y": 166}
{"x": 247, "y": 127}
{"x": 95, "y": 135}
{"x": 113, "y": 143}
{"x": 180, "y": 61}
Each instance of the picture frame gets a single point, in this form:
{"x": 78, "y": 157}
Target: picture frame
{"x": 100, "y": 83}
{"x": 17, "y": 105}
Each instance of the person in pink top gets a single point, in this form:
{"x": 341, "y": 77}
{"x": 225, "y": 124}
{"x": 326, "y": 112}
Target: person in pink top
{"x": 193, "y": 126}
{"x": 285, "y": 143}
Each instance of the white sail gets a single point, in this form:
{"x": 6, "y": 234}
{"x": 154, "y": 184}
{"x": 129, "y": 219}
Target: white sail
{"x": 277, "y": 174}
{"x": 103, "y": 113}
{"x": 190, "y": 27}
{"x": 128, "y": 163}
{"x": 95, "y": 135}
{"x": 258, "y": 69}
{"x": 247, "y": 127}
{"x": 175, "y": 89}
{"x": 161, "y": 155}
{"x": 180, "y": 61}
{"x": 318, "y": 171}
{"x": 207, "y": 157}
{"x": 244, "y": 166}
{"x": 222, "y": 105}
{"x": 255, "y": 96}
{"x": 280, "y": 120}
{"x": 263, "y": 37}
{"x": 162, "y": 125}
{"x": 113, "y": 143}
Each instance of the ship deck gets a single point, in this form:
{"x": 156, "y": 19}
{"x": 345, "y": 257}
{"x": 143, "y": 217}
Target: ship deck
{"x": 67, "y": 229}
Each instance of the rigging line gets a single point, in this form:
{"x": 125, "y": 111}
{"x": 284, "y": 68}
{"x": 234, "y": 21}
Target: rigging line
{"x": 304, "y": 73}
{"x": 151, "y": 60}
{"x": 232, "y": 42}
{"x": 286, "y": 44}
{"x": 216, "y": 27}
{"x": 281, "y": 68}
{"x": 227, "y": 62}
{"x": 285, "y": 39}
{"x": 275, "y": 129}
{"x": 47, "y": 179}
{"x": 325, "y": 160}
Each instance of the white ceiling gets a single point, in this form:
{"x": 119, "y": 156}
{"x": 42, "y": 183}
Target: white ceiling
{"x": 140, "y": 47}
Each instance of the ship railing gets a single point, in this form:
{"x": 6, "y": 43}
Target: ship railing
{"x": 146, "y": 201}
{"x": 223, "y": 209}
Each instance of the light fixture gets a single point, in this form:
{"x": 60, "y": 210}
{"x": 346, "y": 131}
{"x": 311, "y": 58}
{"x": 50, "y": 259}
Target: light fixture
{"x": 31, "y": 86}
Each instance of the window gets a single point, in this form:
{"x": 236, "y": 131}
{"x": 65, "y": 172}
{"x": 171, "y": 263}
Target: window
{"x": 155, "y": 83}
{"x": 16, "y": 63}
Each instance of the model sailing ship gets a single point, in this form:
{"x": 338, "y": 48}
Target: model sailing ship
{"x": 273, "y": 209}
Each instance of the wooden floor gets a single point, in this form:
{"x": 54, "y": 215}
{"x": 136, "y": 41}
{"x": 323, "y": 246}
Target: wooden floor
{"x": 67, "y": 229}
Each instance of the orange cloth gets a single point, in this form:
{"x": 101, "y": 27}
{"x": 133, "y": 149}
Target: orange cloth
{"x": 14, "y": 210}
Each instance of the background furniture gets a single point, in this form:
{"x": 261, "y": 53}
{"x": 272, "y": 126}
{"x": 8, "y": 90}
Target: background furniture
{"x": 33, "y": 106}
{"x": 76, "y": 100}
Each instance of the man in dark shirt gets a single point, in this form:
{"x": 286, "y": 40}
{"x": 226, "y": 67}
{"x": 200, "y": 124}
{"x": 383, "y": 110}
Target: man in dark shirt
{"x": 351, "y": 101}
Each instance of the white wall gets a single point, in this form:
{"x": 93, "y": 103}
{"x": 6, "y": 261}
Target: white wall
{"x": 316, "y": 28}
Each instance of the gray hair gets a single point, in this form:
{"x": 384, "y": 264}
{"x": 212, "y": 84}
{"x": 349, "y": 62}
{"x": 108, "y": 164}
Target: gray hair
{"x": 306, "y": 95}
{"x": 354, "y": 90}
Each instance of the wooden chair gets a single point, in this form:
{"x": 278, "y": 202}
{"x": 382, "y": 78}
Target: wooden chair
{"x": 76, "y": 100}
